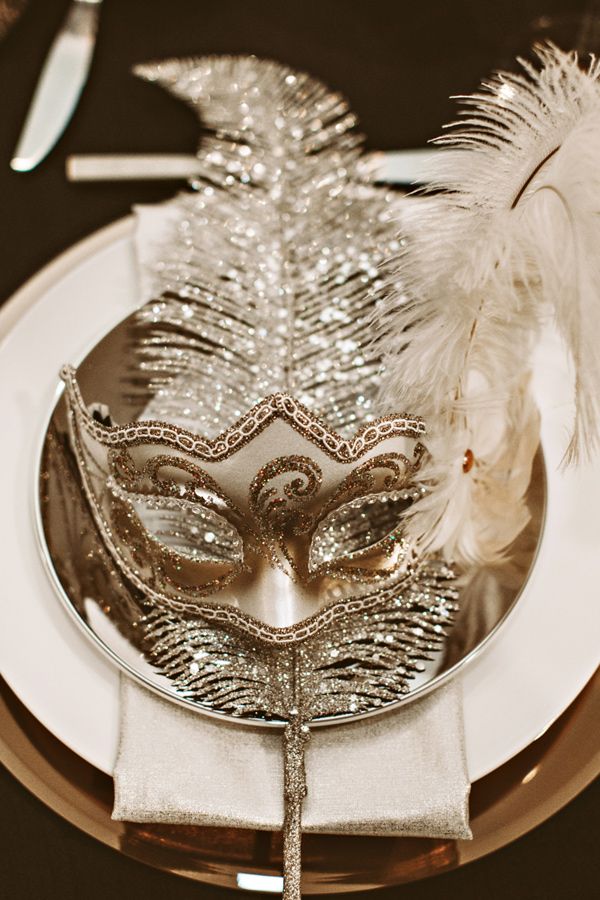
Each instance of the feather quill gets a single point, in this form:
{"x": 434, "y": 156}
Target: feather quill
{"x": 506, "y": 230}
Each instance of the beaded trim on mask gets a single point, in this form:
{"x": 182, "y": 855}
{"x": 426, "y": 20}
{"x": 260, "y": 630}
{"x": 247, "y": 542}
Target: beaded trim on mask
{"x": 276, "y": 406}
{"x": 246, "y": 428}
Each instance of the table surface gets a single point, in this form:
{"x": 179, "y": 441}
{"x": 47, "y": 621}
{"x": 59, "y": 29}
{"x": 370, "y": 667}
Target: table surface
{"x": 397, "y": 63}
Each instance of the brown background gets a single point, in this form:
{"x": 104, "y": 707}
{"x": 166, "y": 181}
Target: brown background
{"x": 397, "y": 62}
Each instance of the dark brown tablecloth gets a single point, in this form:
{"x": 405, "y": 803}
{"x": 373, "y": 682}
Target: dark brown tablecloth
{"x": 397, "y": 62}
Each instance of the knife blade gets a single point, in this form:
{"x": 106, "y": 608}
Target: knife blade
{"x": 59, "y": 86}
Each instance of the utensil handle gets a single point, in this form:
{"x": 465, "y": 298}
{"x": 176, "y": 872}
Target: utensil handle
{"x": 395, "y": 167}
{"x": 131, "y": 167}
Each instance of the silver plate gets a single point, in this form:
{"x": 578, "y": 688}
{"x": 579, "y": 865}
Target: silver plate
{"x": 108, "y": 612}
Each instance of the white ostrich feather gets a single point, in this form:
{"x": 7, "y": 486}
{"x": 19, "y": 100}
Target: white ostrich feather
{"x": 475, "y": 516}
{"x": 508, "y": 227}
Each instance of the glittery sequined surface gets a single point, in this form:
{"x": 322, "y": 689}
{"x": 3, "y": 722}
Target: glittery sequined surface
{"x": 272, "y": 268}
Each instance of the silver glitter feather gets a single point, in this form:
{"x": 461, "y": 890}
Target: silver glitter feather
{"x": 274, "y": 264}
{"x": 360, "y": 663}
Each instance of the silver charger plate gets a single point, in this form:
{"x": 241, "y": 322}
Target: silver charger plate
{"x": 109, "y": 611}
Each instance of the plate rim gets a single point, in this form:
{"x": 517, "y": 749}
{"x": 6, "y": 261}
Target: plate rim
{"x": 52, "y": 274}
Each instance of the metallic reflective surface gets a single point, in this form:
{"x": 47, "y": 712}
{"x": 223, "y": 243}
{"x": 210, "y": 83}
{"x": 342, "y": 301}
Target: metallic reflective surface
{"x": 60, "y": 84}
{"x": 109, "y": 612}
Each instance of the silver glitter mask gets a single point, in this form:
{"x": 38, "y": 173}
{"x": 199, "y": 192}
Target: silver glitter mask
{"x": 275, "y": 546}
{"x": 255, "y": 503}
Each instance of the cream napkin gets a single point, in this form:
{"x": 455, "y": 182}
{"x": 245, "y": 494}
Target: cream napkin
{"x": 399, "y": 773}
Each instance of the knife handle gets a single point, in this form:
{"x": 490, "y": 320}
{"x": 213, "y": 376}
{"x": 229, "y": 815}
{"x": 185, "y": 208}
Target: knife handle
{"x": 82, "y": 18}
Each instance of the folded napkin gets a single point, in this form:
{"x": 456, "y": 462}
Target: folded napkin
{"x": 398, "y": 773}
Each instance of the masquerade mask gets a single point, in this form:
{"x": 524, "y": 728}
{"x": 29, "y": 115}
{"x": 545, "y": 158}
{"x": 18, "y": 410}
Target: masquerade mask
{"x": 277, "y": 546}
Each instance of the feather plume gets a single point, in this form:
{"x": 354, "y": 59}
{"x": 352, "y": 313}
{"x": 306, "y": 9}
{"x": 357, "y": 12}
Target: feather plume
{"x": 270, "y": 270}
{"x": 337, "y": 672}
{"x": 507, "y": 230}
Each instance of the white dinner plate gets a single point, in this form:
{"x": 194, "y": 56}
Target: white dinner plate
{"x": 523, "y": 680}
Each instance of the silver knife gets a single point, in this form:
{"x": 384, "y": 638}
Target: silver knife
{"x": 60, "y": 84}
